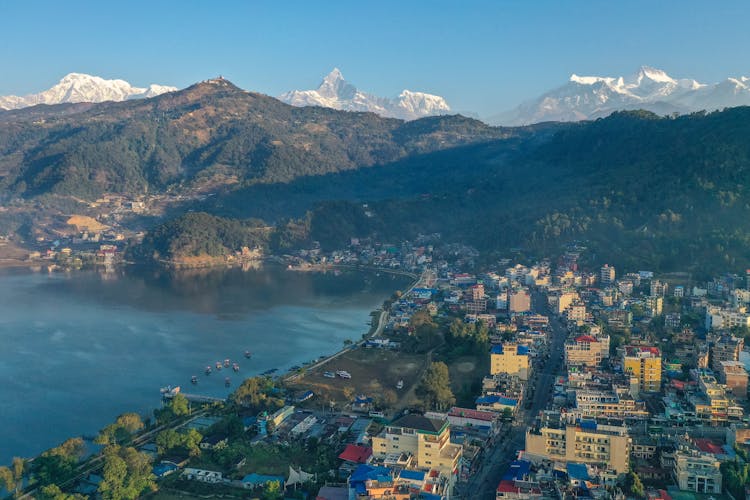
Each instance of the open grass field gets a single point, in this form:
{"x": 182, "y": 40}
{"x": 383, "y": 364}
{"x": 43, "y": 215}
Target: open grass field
{"x": 373, "y": 371}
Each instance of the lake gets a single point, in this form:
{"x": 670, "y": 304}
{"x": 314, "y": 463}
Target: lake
{"x": 76, "y": 350}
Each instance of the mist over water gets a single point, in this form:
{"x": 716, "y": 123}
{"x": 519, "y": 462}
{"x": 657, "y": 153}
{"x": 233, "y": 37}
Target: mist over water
{"x": 77, "y": 350}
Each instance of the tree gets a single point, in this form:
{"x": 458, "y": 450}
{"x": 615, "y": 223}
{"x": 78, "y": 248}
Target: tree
{"x": 121, "y": 430}
{"x": 272, "y": 491}
{"x": 56, "y": 465}
{"x": 53, "y": 492}
{"x": 179, "y": 405}
{"x": 126, "y": 475}
{"x": 434, "y": 388}
{"x": 634, "y": 486}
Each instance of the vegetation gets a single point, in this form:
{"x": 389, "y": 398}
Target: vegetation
{"x": 434, "y": 388}
{"x": 55, "y": 466}
{"x": 126, "y": 475}
{"x": 208, "y": 135}
{"x": 121, "y": 430}
{"x": 198, "y": 234}
{"x": 11, "y": 478}
{"x": 633, "y": 485}
{"x": 257, "y": 393}
{"x": 177, "y": 407}
{"x": 171, "y": 441}
{"x": 736, "y": 473}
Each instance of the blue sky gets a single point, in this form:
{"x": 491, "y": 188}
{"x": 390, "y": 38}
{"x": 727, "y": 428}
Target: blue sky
{"x": 482, "y": 56}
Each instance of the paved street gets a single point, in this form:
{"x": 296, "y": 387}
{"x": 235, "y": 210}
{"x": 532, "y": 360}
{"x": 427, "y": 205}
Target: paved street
{"x": 483, "y": 484}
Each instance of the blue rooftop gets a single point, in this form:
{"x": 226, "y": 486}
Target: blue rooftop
{"x": 518, "y": 470}
{"x": 578, "y": 471}
{"x": 492, "y": 399}
{"x": 365, "y": 472}
{"x": 413, "y": 475}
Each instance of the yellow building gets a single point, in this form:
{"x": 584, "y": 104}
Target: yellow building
{"x": 586, "y": 350}
{"x": 644, "y": 363}
{"x": 510, "y": 358}
{"x": 606, "y": 446}
{"x": 426, "y": 439}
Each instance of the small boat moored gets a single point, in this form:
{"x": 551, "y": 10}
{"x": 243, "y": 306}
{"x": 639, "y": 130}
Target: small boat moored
{"x": 208, "y": 370}
{"x": 248, "y": 354}
{"x": 226, "y": 363}
{"x": 227, "y": 382}
{"x": 218, "y": 365}
{"x": 194, "y": 379}
{"x": 236, "y": 367}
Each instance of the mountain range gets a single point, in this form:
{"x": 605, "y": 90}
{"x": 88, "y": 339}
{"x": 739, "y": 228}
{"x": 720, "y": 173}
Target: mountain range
{"x": 591, "y": 97}
{"x": 335, "y": 92}
{"x": 79, "y": 87}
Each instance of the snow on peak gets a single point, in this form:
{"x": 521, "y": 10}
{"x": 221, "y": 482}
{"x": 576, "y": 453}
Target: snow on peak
{"x": 80, "y": 87}
{"x": 335, "y": 92}
{"x": 590, "y": 97}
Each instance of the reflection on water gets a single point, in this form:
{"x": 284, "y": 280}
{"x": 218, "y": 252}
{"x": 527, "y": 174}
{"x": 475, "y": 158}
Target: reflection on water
{"x": 79, "y": 349}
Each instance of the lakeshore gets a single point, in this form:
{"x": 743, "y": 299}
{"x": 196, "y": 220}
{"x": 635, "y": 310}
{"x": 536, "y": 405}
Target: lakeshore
{"x": 107, "y": 343}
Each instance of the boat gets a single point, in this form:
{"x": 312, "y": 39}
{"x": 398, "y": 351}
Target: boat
{"x": 226, "y": 363}
{"x": 218, "y": 365}
{"x": 248, "y": 354}
{"x": 208, "y": 370}
{"x": 344, "y": 374}
{"x": 236, "y": 367}
{"x": 400, "y": 384}
{"x": 194, "y": 379}
{"x": 227, "y": 382}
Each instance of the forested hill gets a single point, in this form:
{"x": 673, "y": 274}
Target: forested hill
{"x": 208, "y": 137}
{"x": 639, "y": 190}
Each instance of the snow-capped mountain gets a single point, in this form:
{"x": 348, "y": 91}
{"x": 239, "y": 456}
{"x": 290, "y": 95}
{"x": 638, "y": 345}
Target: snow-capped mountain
{"x": 78, "y": 87}
{"x": 590, "y": 97}
{"x": 335, "y": 92}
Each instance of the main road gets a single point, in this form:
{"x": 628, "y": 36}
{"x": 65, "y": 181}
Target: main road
{"x": 483, "y": 484}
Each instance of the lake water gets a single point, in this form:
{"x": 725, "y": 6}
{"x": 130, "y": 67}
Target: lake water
{"x": 77, "y": 350}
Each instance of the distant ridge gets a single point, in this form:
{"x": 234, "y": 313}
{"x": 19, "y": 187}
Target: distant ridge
{"x": 79, "y": 87}
{"x": 591, "y": 97}
{"x": 335, "y": 92}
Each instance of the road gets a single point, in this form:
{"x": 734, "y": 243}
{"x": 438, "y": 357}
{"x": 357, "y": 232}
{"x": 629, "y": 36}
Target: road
{"x": 484, "y": 483}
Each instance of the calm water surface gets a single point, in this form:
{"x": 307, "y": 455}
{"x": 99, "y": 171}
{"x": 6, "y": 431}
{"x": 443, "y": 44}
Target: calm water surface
{"x": 77, "y": 350}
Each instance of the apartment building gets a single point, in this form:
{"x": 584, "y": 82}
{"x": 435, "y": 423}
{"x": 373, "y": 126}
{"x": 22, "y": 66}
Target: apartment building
{"x": 512, "y": 359}
{"x": 586, "y": 350}
{"x": 644, "y": 364}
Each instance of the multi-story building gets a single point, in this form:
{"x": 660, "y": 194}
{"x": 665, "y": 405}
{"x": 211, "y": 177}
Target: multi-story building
{"x": 576, "y": 313}
{"x": 426, "y": 439}
{"x": 644, "y": 364}
{"x": 718, "y": 318}
{"x": 697, "y": 471}
{"x": 724, "y": 348}
{"x": 654, "y": 305}
{"x": 734, "y": 375}
{"x": 606, "y": 446}
{"x": 658, "y": 288}
{"x": 510, "y": 358}
{"x": 607, "y": 275}
{"x": 608, "y": 404}
{"x": 586, "y": 350}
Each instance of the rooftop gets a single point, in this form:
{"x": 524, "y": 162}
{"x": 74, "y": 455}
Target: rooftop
{"x": 420, "y": 423}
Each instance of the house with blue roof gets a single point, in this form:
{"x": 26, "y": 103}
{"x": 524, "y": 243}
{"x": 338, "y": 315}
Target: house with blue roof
{"x": 495, "y": 402}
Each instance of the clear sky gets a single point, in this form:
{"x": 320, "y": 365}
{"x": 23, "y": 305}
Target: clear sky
{"x": 482, "y": 56}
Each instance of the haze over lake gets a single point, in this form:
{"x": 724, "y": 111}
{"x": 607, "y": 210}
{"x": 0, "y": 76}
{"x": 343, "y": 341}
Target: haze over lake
{"x": 79, "y": 349}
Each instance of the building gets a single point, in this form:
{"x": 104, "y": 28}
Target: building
{"x": 734, "y": 375}
{"x": 486, "y": 421}
{"x": 724, "y": 348}
{"x": 607, "y": 275}
{"x": 658, "y": 288}
{"x": 426, "y": 439}
{"x": 519, "y": 301}
{"x": 606, "y": 446}
{"x": 510, "y": 358}
{"x": 576, "y": 313}
{"x": 608, "y": 404}
{"x": 644, "y": 364}
{"x": 654, "y": 305}
{"x": 718, "y": 318}
{"x": 697, "y": 471}
{"x": 586, "y": 350}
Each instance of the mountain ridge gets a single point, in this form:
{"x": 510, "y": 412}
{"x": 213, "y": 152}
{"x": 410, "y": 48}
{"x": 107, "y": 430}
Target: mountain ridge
{"x": 591, "y": 97}
{"x": 81, "y": 87}
{"x": 335, "y": 92}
